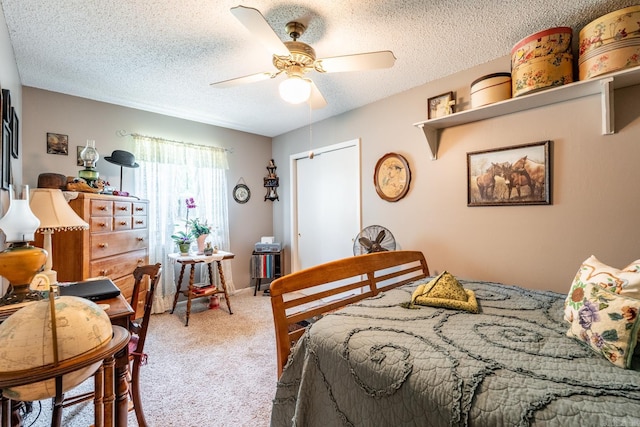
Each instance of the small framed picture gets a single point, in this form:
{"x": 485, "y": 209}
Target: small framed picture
{"x": 57, "y": 143}
{"x": 79, "y": 149}
{"x": 15, "y": 129}
{"x": 392, "y": 177}
{"x": 440, "y": 106}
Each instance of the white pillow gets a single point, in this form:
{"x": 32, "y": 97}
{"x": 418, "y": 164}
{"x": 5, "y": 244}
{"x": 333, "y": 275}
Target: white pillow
{"x": 624, "y": 282}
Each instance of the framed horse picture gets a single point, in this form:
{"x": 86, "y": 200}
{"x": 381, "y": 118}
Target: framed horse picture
{"x": 516, "y": 175}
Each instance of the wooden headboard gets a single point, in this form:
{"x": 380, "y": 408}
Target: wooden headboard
{"x": 304, "y": 295}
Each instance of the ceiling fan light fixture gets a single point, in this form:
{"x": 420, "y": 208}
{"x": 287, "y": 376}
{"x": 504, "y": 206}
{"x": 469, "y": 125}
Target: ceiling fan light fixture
{"x": 295, "y": 89}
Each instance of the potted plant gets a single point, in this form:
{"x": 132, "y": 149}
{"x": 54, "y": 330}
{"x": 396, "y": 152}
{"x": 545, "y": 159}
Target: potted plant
{"x": 183, "y": 240}
{"x": 199, "y": 230}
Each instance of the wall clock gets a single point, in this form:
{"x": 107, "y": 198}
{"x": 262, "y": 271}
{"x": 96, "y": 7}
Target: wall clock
{"x": 392, "y": 177}
{"x": 241, "y": 193}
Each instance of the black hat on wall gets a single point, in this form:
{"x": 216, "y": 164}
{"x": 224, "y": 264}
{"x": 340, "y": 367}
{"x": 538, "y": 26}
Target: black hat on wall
{"x": 122, "y": 158}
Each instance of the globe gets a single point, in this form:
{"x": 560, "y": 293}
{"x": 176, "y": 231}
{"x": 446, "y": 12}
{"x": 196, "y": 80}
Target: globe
{"x": 26, "y": 342}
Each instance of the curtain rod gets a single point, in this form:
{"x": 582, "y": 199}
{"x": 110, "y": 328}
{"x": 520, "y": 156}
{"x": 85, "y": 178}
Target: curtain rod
{"x": 122, "y": 133}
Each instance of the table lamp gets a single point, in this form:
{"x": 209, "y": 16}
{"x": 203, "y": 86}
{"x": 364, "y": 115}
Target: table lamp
{"x": 89, "y": 156}
{"x": 55, "y": 214}
{"x": 20, "y": 262}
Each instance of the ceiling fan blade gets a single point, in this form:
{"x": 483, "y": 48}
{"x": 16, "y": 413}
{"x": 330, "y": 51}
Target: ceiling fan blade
{"x": 361, "y": 61}
{"x": 244, "y": 80}
{"x": 316, "y": 100}
{"x": 253, "y": 20}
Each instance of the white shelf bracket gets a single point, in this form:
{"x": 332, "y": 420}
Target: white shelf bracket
{"x": 608, "y": 116}
{"x": 432, "y": 139}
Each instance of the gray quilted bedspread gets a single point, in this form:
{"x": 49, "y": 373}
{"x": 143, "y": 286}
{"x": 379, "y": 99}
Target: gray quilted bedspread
{"x": 376, "y": 363}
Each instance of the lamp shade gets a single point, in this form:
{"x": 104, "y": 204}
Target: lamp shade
{"x": 53, "y": 211}
{"x": 295, "y": 89}
{"x": 19, "y": 224}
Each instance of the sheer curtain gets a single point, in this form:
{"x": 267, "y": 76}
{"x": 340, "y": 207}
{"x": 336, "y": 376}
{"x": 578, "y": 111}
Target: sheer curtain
{"x": 169, "y": 173}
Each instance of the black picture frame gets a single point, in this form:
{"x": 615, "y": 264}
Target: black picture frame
{"x": 15, "y": 134}
{"x": 510, "y": 176}
{"x": 6, "y": 105}
{"x": 6, "y": 156}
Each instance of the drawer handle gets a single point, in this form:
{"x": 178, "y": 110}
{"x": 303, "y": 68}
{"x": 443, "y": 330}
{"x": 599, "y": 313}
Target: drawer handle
{"x": 140, "y": 239}
{"x": 104, "y": 272}
{"x": 140, "y": 262}
{"x": 139, "y": 209}
{"x": 102, "y": 224}
{"x": 123, "y": 222}
{"x": 139, "y": 222}
{"x": 102, "y": 208}
{"x": 103, "y": 245}
{"x": 123, "y": 208}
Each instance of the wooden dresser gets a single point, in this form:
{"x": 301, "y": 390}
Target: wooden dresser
{"x": 116, "y": 242}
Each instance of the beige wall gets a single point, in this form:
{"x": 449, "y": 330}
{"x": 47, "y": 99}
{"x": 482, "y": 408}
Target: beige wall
{"x": 83, "y": 119}
{"x": 594, "y": 177}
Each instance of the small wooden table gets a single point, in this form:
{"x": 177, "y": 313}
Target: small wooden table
{"x": 119, "y": 313}
{"x": 108, "y": 409}
{"x": 194, "y": 291}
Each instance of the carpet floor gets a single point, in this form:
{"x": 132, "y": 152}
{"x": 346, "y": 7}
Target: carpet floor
{"x": 218, "y": 371}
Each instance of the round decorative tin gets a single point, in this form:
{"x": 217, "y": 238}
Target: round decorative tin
{"x": 610, "y": 43}
{"x": 542, "y": 73}
{"x": 551, "y": 41}
{"x": 490, "y": 88}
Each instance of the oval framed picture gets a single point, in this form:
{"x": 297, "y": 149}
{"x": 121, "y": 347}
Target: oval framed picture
{"x": 241, "y": 193}
{"x": 392, "y": 177}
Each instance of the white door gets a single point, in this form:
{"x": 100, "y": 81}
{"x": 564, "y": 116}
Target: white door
{"x": 326, "y": 204}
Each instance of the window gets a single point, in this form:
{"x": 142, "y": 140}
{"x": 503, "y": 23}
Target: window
{"x": 170, "y": 172}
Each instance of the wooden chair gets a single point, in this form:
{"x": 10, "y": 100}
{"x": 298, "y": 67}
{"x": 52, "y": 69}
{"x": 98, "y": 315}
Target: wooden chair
{"x": 303, "y": 296}
{"x": 138, "y": 329}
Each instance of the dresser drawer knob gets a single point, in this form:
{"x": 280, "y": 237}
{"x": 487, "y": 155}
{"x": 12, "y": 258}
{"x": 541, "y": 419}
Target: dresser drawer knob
{"x": 123, "y": 208}
{"x": 103, "y": 245}
{"x": 104, "y": 272}
{"x": 123, "y": 222}
{"x": 140, "y": 262}
{"x": 102, "y": 224}
{"x": 140, "y": 239}
{"x": 139, "y": 209}
{"x": 102, "y": 208}
{"x": 139, "y": 222}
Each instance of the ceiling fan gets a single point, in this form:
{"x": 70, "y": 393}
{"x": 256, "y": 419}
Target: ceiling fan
{"x": 295, "y": 59}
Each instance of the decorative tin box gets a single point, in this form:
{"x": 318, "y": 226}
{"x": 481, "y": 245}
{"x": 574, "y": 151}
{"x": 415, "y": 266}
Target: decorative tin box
{"x": 610, "y": 43}
{"x": 548, "y": 42}
{"x": 490, "y": 88}
{"x": 542, "y": 73}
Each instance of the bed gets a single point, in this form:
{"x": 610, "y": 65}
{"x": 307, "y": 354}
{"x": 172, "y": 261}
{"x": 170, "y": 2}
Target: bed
{"x": 367, "y": 360}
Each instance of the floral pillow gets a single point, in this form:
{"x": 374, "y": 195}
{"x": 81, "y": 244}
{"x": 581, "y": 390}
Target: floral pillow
{"x": 624, "y": 282}
{"x": 608, "y": 323}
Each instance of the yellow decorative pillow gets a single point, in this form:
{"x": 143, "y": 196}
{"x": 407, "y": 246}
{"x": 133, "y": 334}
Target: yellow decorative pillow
{"x": 445, "y": 291}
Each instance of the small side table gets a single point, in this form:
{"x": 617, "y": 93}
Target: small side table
{"x": 194, "y": 291}
{"x": 111, "y": 389}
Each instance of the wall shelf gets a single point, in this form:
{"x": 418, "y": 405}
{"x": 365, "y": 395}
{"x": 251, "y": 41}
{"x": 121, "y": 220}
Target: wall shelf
{"x": 603, "y": 86}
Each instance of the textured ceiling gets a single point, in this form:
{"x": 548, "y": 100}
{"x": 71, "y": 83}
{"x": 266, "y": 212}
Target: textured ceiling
{"x": 161, "y": 55}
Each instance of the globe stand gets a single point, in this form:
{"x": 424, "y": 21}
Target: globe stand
{"x": 19, "y": 264}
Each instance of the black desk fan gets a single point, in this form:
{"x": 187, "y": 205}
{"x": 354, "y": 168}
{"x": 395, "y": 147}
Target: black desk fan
{"x": 123, "y": 159}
